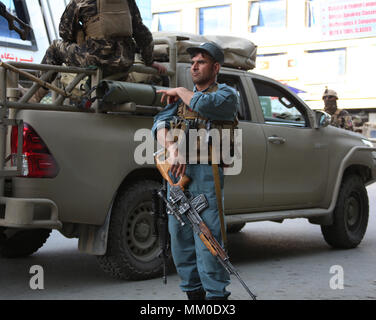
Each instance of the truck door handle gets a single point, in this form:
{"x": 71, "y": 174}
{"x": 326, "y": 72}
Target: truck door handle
{"x": 276, "y": 140}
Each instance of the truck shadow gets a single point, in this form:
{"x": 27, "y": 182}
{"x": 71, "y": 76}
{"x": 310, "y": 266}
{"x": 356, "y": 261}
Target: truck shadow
{"x": 270, "y": 242}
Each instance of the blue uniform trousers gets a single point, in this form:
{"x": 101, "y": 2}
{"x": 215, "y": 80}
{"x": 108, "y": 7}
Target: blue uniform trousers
{"x": 196, "y": 266}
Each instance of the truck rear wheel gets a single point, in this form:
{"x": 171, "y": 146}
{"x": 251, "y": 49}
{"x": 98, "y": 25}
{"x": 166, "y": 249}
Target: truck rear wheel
{"x": 350, "y": 215}
{"x": 16, "y": 243}
{"x": 132, "y": 249}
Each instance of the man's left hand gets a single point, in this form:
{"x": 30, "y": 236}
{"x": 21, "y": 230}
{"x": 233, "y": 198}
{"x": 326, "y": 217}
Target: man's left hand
{"x": 174, "y": 94}
{"x": 171, "y": 95}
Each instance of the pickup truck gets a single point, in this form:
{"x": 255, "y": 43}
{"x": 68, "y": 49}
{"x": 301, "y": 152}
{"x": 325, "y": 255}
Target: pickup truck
{"x": 73, "y": 169}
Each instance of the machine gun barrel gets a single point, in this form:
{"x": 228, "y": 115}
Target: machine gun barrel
{"x": 23, "y": 30}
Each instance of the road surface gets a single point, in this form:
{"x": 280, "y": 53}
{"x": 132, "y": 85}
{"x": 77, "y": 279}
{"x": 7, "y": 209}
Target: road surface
{"x": 278, "y": 261}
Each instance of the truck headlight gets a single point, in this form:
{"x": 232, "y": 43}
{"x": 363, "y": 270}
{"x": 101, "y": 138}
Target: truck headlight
{"x": 367, "y": 142}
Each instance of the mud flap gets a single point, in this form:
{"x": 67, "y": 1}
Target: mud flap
{"x": 93, "y": 239}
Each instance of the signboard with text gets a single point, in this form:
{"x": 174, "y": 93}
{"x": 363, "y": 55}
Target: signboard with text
{"x": 344, "y": 19}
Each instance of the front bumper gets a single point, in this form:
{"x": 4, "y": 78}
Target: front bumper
{"x": 25, "y": 213}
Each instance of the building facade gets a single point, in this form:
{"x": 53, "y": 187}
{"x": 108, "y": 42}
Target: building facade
{"x": 307, "y": 44}
{"x": 145, "y": 10}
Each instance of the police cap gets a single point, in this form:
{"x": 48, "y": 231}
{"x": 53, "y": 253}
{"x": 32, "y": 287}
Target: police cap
{"x": 213, "y": 49}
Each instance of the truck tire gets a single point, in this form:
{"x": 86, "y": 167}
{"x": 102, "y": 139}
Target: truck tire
{"x": 350, "y": 215}
{"x": 22, "y": 243}
{"x": 132, "y": 248}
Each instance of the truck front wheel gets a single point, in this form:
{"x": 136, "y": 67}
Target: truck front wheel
{"x": 350, "y": 215}
{"x": 132, "y": 248}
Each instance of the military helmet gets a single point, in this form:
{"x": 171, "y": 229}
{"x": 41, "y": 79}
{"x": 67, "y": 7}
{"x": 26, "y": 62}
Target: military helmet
{"x": 329, "y": 92}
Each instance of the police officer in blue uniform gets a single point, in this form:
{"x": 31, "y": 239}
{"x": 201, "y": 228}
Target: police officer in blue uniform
{"x": 202, "y": 276}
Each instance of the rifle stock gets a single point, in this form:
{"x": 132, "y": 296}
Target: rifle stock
{"x": 164, "y": 167}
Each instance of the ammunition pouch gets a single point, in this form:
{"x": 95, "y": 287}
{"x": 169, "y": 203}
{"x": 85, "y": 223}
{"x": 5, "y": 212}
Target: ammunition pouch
{"x": 113, "y": 20}
{"x": 187, "y": 119}
{"x": 211, "y": 150}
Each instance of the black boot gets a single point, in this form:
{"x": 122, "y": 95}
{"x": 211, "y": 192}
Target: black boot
{"x": 217, "y": 298}
{"x": 199, "y": 294}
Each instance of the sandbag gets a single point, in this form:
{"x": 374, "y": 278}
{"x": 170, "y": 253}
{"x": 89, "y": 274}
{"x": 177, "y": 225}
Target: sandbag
{"x": 239, "y": 52}
{"x": 161, "y": 51}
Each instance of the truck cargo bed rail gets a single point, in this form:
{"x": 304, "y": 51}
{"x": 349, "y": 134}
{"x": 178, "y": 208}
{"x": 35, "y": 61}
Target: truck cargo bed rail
{"x": 11, "y": 102}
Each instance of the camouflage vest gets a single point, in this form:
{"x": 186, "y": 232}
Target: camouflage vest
{"x": 342, "y": 119}
{"x": 112, "y": 20}
{"x": 188, "y": 119}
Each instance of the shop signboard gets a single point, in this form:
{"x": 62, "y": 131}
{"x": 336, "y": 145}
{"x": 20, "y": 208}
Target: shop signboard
{"x": 347, "y": 19}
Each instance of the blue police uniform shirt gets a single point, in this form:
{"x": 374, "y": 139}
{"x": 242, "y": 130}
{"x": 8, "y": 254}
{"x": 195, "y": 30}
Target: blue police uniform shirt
{"x": 219, "y": 105}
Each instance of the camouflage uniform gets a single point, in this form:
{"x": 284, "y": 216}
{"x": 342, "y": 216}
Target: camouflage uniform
{"x": 342, "y": 119}
{"x": 114, "y": 54}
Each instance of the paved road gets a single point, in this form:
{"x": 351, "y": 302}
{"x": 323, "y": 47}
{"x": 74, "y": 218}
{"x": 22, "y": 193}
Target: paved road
{"x": 278, "y": 261}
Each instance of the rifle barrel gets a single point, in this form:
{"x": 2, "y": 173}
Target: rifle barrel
{"x": 231, "y": 270}
{"x": 253, "y": 296}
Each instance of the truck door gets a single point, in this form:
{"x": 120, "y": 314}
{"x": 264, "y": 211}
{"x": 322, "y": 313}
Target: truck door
{"x": 244, "y": 190}
{"x": 297, "y": 155}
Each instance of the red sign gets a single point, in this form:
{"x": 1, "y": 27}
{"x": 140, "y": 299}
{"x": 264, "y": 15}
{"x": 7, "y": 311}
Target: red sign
{"x": 341, "y": 19}
{"x": 8, "y": 56}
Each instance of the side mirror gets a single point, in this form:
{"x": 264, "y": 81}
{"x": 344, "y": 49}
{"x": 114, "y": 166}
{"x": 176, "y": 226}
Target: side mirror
{"x": 322, "y": 119}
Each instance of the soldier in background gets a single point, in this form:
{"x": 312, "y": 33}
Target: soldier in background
{"x": 340, "y": 118}
{"x": 105, "y": 37}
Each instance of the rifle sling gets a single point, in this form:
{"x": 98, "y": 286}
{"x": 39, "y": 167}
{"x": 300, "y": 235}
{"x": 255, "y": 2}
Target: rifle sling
{"x": 218, "y": 193}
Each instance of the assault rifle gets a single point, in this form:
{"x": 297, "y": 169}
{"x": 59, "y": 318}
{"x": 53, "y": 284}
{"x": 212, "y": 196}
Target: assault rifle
{"x": 180, "y": 204}
{"x": 20, "y": 27}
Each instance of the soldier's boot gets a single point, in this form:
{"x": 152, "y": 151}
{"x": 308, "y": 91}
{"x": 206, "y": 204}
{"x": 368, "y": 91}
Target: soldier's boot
{"x": 199, "y": 294}
{"x": 39, "y": 95}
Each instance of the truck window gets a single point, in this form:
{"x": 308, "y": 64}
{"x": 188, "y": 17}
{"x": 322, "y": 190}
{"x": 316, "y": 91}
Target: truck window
{"x": 10, "y": 38}
{"x": 235, "y": 82}
{"x": 279, "y": 107}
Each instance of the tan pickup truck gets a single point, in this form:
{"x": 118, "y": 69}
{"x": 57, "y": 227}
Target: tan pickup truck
{"x": 73, "y": 169}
